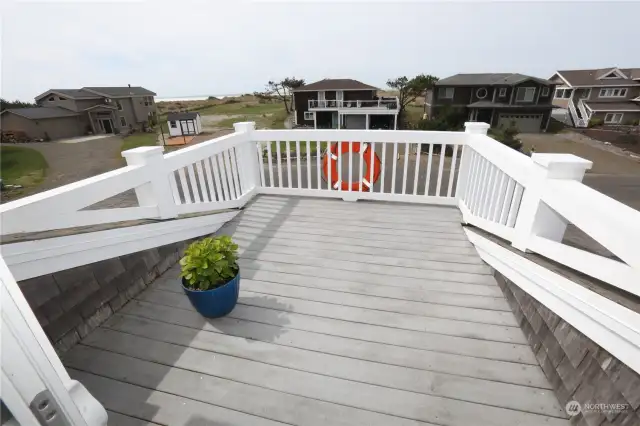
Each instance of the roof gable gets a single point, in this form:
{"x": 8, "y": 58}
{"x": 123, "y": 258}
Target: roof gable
{"x": 594, "y": 77}
{"x": 612, "y": 73}
{"x": 68, "y": 93}
{"x": 335, "y": 84}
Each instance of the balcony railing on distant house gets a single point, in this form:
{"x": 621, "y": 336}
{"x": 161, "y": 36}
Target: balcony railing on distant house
{"x": 525, "y": 202}
{"x": 388, "y": 103}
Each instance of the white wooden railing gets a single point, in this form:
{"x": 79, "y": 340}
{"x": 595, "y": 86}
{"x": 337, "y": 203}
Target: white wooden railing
{"x": 390, "y": 103}
{"x": 526, "y": 201}
{"x": 578, "y": 122}
{"x": 583, "y": 111}
{"x": 529, "y": 202}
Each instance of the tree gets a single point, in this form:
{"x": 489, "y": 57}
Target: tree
{"x": 4, "y": 104}
{"x": 410, "y": 89}
{"x": 282, "y": 89}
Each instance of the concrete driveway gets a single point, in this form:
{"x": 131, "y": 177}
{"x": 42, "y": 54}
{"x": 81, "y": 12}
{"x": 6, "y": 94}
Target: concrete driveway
{"x": 71, "y": 162}
{"x": 613, "y": 173}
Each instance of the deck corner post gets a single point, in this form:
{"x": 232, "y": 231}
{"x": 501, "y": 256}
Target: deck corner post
{"x": 157, "y": 192}
{"x": 476, "y": 128}
{"x": 535, "y": 218}
{"x": 248, "y": 160}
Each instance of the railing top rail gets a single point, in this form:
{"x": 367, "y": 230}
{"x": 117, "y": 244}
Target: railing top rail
{"x": 614, "y": 225}
{"x": 322, "y": 135}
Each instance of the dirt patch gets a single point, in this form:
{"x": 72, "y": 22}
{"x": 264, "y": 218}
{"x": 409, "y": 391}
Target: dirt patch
{"x": 210, "y": 123}
{"x": 606, "y": 159}
{"x": 623, "y": 140}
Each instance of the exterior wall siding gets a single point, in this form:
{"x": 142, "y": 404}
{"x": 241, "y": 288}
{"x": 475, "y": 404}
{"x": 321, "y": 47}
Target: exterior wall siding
{"x": 632, "y": 92}
{"x": 69, "y": 304}
{"x": 301, "y": 102}
{"x": 54, "y": 128}
{"x": 461, "y": 96}
{"x": 627, "y": 117}
{"x": 577, "y": 368}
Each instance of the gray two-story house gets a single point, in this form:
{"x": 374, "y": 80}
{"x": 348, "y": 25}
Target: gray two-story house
{"x": 498, "y": 99}
{"x": 611, "y": 95}
{"x": 64, "y": 113}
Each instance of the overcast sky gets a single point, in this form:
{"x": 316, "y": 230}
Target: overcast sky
{"x": 183, "y": 47}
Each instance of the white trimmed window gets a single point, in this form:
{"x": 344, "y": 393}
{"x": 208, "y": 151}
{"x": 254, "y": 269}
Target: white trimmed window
{"x": 613, "y": 117}
{"x": 123, "y": 122}
{"x": 173, "y": 124}
{"x": 525, "y": 94}
{"x": 613, "y": 93}
{"x": 119, "y": 105}
{"x": 481, "y": 93}
{"x": 308, "y": 115}
{"x": 503, "y": 92}
{"x": 563, "y": 93}
{"x": 545, "y": 91}
{"x": 445, "y": 92}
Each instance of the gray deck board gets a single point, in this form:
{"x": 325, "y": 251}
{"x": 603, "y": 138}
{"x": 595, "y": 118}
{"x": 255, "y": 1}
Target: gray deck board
{"x": 360, "y": 313}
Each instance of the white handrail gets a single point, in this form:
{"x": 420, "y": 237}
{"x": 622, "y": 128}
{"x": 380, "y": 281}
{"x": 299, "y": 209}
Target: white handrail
{"x": 530, "y": 202}
{"x": 579, "y": 122}
{"x": 380, "y": 103}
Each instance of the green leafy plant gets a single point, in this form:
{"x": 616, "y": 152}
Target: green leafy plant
{"x": 595, "y": 122}
{"x": 209, "y": 263}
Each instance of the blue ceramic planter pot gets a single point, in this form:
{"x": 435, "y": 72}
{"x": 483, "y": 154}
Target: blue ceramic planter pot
{"x": 217, "y": 302}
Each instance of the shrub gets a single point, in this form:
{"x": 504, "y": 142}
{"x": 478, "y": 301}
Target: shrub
{"x": 231, "y": 101}
{"x": 635, "y": 122}
{"x": 209, "y": 263}
{"x": 595, "y": 122}
{"x": 507, "y": 136}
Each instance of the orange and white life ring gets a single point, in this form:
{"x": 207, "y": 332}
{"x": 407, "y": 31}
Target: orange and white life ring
{"x": 364, "y": 149}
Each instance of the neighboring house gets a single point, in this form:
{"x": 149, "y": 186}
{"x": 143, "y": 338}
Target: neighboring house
{"x": 343, "y": 104}
{"x": 496, "y": 99}
{"x": 184, "y": 123}
{"x": 609, "y": 94}
{"x": 63, "y": 113}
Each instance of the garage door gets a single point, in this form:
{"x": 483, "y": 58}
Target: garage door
{"x": 526, "y": 123}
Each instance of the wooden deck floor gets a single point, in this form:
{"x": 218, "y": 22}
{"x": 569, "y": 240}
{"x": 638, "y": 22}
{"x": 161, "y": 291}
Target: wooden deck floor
{"x": 349, "y": 314}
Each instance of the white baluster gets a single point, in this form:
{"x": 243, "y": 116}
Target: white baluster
{"x": 427, "y": 179}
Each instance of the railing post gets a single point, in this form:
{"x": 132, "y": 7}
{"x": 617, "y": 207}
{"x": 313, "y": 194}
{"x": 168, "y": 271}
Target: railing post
{"x": 248, "y": 157}
{"x": 157, "y": 192}
{"x": 476, "y": 127}
{"x": 535, "y": 218}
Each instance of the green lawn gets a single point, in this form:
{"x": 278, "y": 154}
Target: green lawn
{"x": 242, "y": 108}
{"x": 139, "y": 139}
{"x": 22, "y": 166}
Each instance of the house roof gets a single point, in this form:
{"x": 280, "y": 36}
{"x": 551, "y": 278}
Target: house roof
{"x": 336, "y": 84}
{"x": 490, "y": 79}
{"x": 70, "y": 93}
{"x": 590, "y": 77}
{"x": 613, "y": 106}
{"x": 38, "y": 113}
{"x": 121, "y": 91}
{"x": 172, "y": 116}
